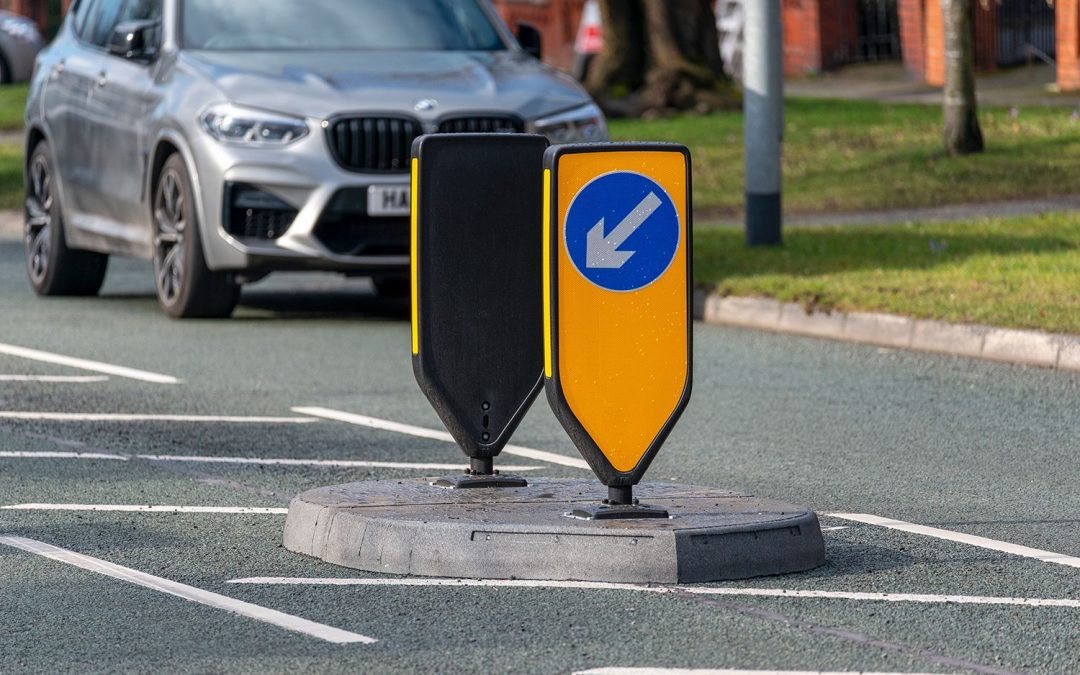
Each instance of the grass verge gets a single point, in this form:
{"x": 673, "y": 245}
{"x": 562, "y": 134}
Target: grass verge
{"x": 12, "y": 106}
{"x": 1008, "y": 272}
{"x": 11, "y": 176}
{"x": 856, "y": 155}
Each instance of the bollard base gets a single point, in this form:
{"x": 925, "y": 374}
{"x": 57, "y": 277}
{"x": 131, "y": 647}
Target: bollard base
{"x": 471, "y": 481}
{"x": 410, "y": 527}
{"x": 618, "y": 512}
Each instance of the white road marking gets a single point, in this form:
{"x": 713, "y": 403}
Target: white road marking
{"x": 834, "y": 529}
{"x": 146, "y": 508}
{"x": 723, "y": 671}
{"x": 14, "y": 454}
{"x": 970, "y": 539}
{"x": 265, "y": 614}
{"x": 335, "y": 463}
{"x": 421, "y": 432}
{"x": 111, "y": 417}
{"x": 83, "y": 364}
{"x": 258, "y": 461}
{"x": 58, "y": 379}
{"x": 694, "y": 590}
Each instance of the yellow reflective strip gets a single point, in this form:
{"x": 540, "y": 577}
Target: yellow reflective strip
{"x": 547, "y": 274}
{"x": 414, "y": 244}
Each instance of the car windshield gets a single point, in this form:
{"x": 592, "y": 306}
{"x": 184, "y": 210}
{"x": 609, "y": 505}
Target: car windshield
{"x": 435, "y": 25}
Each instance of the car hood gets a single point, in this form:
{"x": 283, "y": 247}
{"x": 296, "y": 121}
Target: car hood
{"x": 322, "y": 84}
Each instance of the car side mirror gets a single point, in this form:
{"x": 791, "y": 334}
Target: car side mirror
{"x": 528, "y": 36}
{"x": 136, "y": 40}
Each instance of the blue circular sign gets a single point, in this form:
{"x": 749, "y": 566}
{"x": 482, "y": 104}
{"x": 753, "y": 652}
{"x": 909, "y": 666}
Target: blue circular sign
{"x": 622, "y": 231}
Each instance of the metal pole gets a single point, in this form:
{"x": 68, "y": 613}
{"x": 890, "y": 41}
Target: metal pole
{"x": 763, "y": 101}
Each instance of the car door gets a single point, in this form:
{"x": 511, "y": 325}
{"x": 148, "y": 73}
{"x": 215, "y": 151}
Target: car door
{"x": 105, "y": 191}
{"x": 122, "y": 102}
{"x": 66, "y": 98}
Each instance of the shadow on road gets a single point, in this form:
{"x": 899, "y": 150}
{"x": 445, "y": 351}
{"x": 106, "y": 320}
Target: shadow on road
{"x": 347, "y": 304}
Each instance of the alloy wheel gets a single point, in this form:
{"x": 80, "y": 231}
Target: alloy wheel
{"x": 39, "y": 219}
{"x": 170, "y": 209}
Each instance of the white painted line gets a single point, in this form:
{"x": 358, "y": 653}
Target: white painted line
{"x": 83, "y": 364}
{"x": 258, "y": 461}
{"x": 726, "y": 671}
{"x": 110, "y": 417}
{"x": 834, "y": 529}
{"x": 13, "y": 454}
{"x": 694, "y": 590}
{"x": 335, "y": 463}
{"x": 57, "y": 379}
{"x": 421, "y": 432}
{"x": 265, "y": 614}
{"x": 970, "y": 539}
{"x": 140, "y": 508}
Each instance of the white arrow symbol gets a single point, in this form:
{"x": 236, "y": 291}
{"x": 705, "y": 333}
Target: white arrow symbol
{"x": 602, "y": 252}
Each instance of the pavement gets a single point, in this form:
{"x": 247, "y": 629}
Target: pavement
{"x": 947, "y": 488}
{"x": 889, "y": 82}
{"x": 926, "y": 214}
{"x": 1028, "y": 347}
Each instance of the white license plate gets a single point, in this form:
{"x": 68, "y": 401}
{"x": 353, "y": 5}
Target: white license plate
{"x": 388, "y": 200}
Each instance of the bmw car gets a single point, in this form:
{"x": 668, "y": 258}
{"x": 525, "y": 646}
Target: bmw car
{"x": 225, "y": 141}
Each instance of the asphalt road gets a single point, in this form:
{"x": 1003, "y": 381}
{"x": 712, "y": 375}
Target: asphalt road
{"x": 969, "y": 447}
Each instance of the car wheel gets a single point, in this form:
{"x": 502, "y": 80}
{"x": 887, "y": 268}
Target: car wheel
{"x": 186, "y": 287}
{"x": 393, "y": 288}
{"x": 53, "y": 268}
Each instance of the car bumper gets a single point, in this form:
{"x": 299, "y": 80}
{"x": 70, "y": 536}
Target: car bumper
{"x": 305, "y": 211}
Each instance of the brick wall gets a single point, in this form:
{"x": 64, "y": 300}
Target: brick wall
{"x": 557, "y": 20}
{"x": 934, "y": 34}
{"x": 912, "y": 15}
{"x": 986, "y": 35}
{"x": 1068, "y": 44}
{"x": 802, "y": 37}
{"x": 819, "y": 34}
{"x": 839, "y": 31}
{"x": 922, "y": 32}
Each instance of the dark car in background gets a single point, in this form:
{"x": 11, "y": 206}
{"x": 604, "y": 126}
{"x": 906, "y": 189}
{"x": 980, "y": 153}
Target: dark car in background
{"x": 20, "y": 42}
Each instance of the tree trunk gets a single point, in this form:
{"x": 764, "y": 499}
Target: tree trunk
{"x": 962, "y": 133}
{"x": 660, "y": 54}
{"x": 620, "y": 68}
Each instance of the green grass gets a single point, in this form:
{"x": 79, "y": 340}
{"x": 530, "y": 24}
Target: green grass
{"x": 854, "y": 155}
{"x": 1010, "y": 272}
{"x": 12, "y": 106}
{"x": 11, "y": 176}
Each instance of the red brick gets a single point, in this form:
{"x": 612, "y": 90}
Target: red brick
{"x": 557, "y": 20}
{"x": 934, "y": 34}
{"x": 1068, "y": 44}
{"x": 912, "y": 15}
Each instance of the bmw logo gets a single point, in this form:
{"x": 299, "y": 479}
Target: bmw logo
{"x": 425, "y": 104}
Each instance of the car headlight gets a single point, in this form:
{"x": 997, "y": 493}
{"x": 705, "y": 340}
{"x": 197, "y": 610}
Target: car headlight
{"x": 580, "y": 125}
{"x": 257, "y": 128}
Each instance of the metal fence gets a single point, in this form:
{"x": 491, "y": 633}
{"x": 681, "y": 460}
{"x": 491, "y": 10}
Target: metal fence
{"x": 1025, "y": 30}
{"x": 878, "y": 31}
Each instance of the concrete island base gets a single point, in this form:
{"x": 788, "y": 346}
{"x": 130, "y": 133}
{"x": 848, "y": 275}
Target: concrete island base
{"x": 411, "y": 527}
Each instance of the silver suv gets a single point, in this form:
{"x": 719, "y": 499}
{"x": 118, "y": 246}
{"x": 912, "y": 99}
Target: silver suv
{"x": 225, "y": 140}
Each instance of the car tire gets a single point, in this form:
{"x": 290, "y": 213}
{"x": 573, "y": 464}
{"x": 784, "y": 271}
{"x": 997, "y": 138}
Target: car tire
{"x": 53, "y": 268}
{"x": 186, "y": 287}
{"x": 393, "y": 287}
